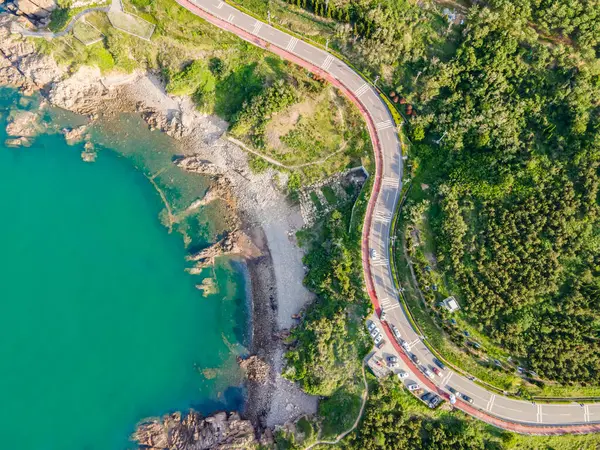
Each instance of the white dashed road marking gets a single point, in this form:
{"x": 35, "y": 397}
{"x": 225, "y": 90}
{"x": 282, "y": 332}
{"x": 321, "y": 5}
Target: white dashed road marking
{"x": 384, "y": 125}
{"x": 391, "y": 181}
{"x": 220, "y": 5}
{"x": 539, "y": 413}
{"x": 361, "y": 90}
{"x": 291, "y": 44}
{"x": 491, "y": 402}
{"x": 446, "y": 380}
{"x": 257, "y": 26}
{"x": 586, "y": 413}
{"x": 327, "y": 63}
{"x": 230, "y": 18}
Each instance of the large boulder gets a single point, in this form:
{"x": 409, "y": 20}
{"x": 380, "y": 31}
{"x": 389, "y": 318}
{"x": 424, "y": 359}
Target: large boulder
{"x": 37, "y": 8}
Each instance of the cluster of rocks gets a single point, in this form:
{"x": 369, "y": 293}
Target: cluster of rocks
{"x": 196, "y": 164}
{"x": 156, "y": 121}
{"x": 22, "y": 127}
{"x": 234, "y": 243}
{"x": 256, "y": 369}
{"x": 222, "y": 431}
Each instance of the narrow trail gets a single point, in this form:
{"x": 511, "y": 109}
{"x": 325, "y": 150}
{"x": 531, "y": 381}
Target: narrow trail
{"x": 277, "y": 163}
{"x": 341, "y": 436}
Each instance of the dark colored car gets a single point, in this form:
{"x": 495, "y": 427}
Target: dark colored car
{"x": 438, "y": 363}
{"x": 434, "y": 401}
{"x": 414, "y": 358}
{"x": 427, "y": 396}
{"x": 467, "y": 399}
{"x": 452, "y": 390}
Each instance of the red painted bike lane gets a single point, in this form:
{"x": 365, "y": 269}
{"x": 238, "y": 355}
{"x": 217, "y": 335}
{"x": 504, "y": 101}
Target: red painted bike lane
{"x": 467, "y": 408}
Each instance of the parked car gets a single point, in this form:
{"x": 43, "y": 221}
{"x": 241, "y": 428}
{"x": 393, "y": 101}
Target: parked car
{"x": 371, "y": 325}
{"x": 438, "y": 363}
{"x": 426, "y": 396}
{"x": 402, "y": 374}
{"x": 454, "y": 392}
{"x": 392, "y": 361}
{"x": 434, "y": 401}
{"x": 396, "y": 332}
{"x": 426, "y": 371}
{"x": 379, "y": 342}
{"x": 413, "y": 387}
{"x": 374, "y": 332}
{"x": 437, "y": 371}
{"x": 373, "y": 253}
{"x": 377, "y": 338}
{"x": 467, "y": 399}
{"x": 405, "y": 345}
{"x": 414, "y": 358}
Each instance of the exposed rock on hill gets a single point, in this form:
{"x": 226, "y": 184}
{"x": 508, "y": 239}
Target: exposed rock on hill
{"x": 221, "y": 431}
{"x": 36, "y": 8}
{"x": 20, "y": 65}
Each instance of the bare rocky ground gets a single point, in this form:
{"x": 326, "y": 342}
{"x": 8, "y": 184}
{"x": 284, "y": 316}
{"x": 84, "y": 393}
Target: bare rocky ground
{"x": 264, "y": 211}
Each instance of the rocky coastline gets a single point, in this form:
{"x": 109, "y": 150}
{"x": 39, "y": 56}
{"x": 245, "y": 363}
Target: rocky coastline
{"x": 262, "y": 233}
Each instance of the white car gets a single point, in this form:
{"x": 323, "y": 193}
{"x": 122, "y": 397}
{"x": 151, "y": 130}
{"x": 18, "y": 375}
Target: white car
{"x": 406, "y": 346}
{"x": 374, "y": 332}
{"x": 371, "y": 325}
{"x": 373, "y": 253}
{"x": 402, "y": 374}
{"x": 378, "y": 339}
{"x": 413, "y": 387}
{"x": 396, "y": 332}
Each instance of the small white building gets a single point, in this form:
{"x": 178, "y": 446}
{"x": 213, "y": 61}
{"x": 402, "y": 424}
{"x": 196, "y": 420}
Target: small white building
{"x": 451, "y": 304}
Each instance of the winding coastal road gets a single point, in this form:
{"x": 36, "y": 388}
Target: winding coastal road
{"x": 507, "y": 413}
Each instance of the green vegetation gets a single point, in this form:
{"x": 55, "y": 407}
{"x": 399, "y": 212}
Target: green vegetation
{"x": 131, "y": 24}
{"x": 330, "y": 342}
{"x": 515, "y": 209}
{"x": 85, "y": 32}
{"x": 510, "y": 222}
{"x": 194, "y": 79}
{"x": 576, "y": 20}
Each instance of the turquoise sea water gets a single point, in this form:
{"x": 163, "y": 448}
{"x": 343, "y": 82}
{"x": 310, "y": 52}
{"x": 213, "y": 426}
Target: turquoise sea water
{"x": 100, "y": 326}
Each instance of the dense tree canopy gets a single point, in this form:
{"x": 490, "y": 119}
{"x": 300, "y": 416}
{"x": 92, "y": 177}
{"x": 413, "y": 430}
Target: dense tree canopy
{"x": 519, "y": 224}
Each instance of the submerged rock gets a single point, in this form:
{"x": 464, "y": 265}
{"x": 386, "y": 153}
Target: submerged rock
{"x": 23, "y": 123}
{"x": 74, "y": 135}
{"x": 89, "y": 154}
{"x": 222, "y": 431}
{"x": 18, "y": 142}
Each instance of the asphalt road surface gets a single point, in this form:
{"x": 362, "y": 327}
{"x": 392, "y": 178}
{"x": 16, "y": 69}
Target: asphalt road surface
{"x": 516, "y": 415}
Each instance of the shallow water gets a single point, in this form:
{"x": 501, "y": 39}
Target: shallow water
{"x": 100, "y": 326}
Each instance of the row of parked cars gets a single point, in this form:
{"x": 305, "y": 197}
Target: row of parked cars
{"x": 375, "y": 334}
{"x": 431, "y": 399}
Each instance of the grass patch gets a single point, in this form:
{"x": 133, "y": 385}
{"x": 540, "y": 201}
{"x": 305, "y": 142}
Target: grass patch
{"x": 329, "y": 195}
{"x": 86, "y": 33}
{"x": 339, "y": 411}
{"x": 131, "y": 24}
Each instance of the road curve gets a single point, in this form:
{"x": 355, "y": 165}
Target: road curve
{"x": 503, "y": 412}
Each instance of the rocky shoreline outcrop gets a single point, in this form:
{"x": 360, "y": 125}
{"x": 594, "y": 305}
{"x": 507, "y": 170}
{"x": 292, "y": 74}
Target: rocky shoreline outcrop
{"x": 221, "y": 431}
